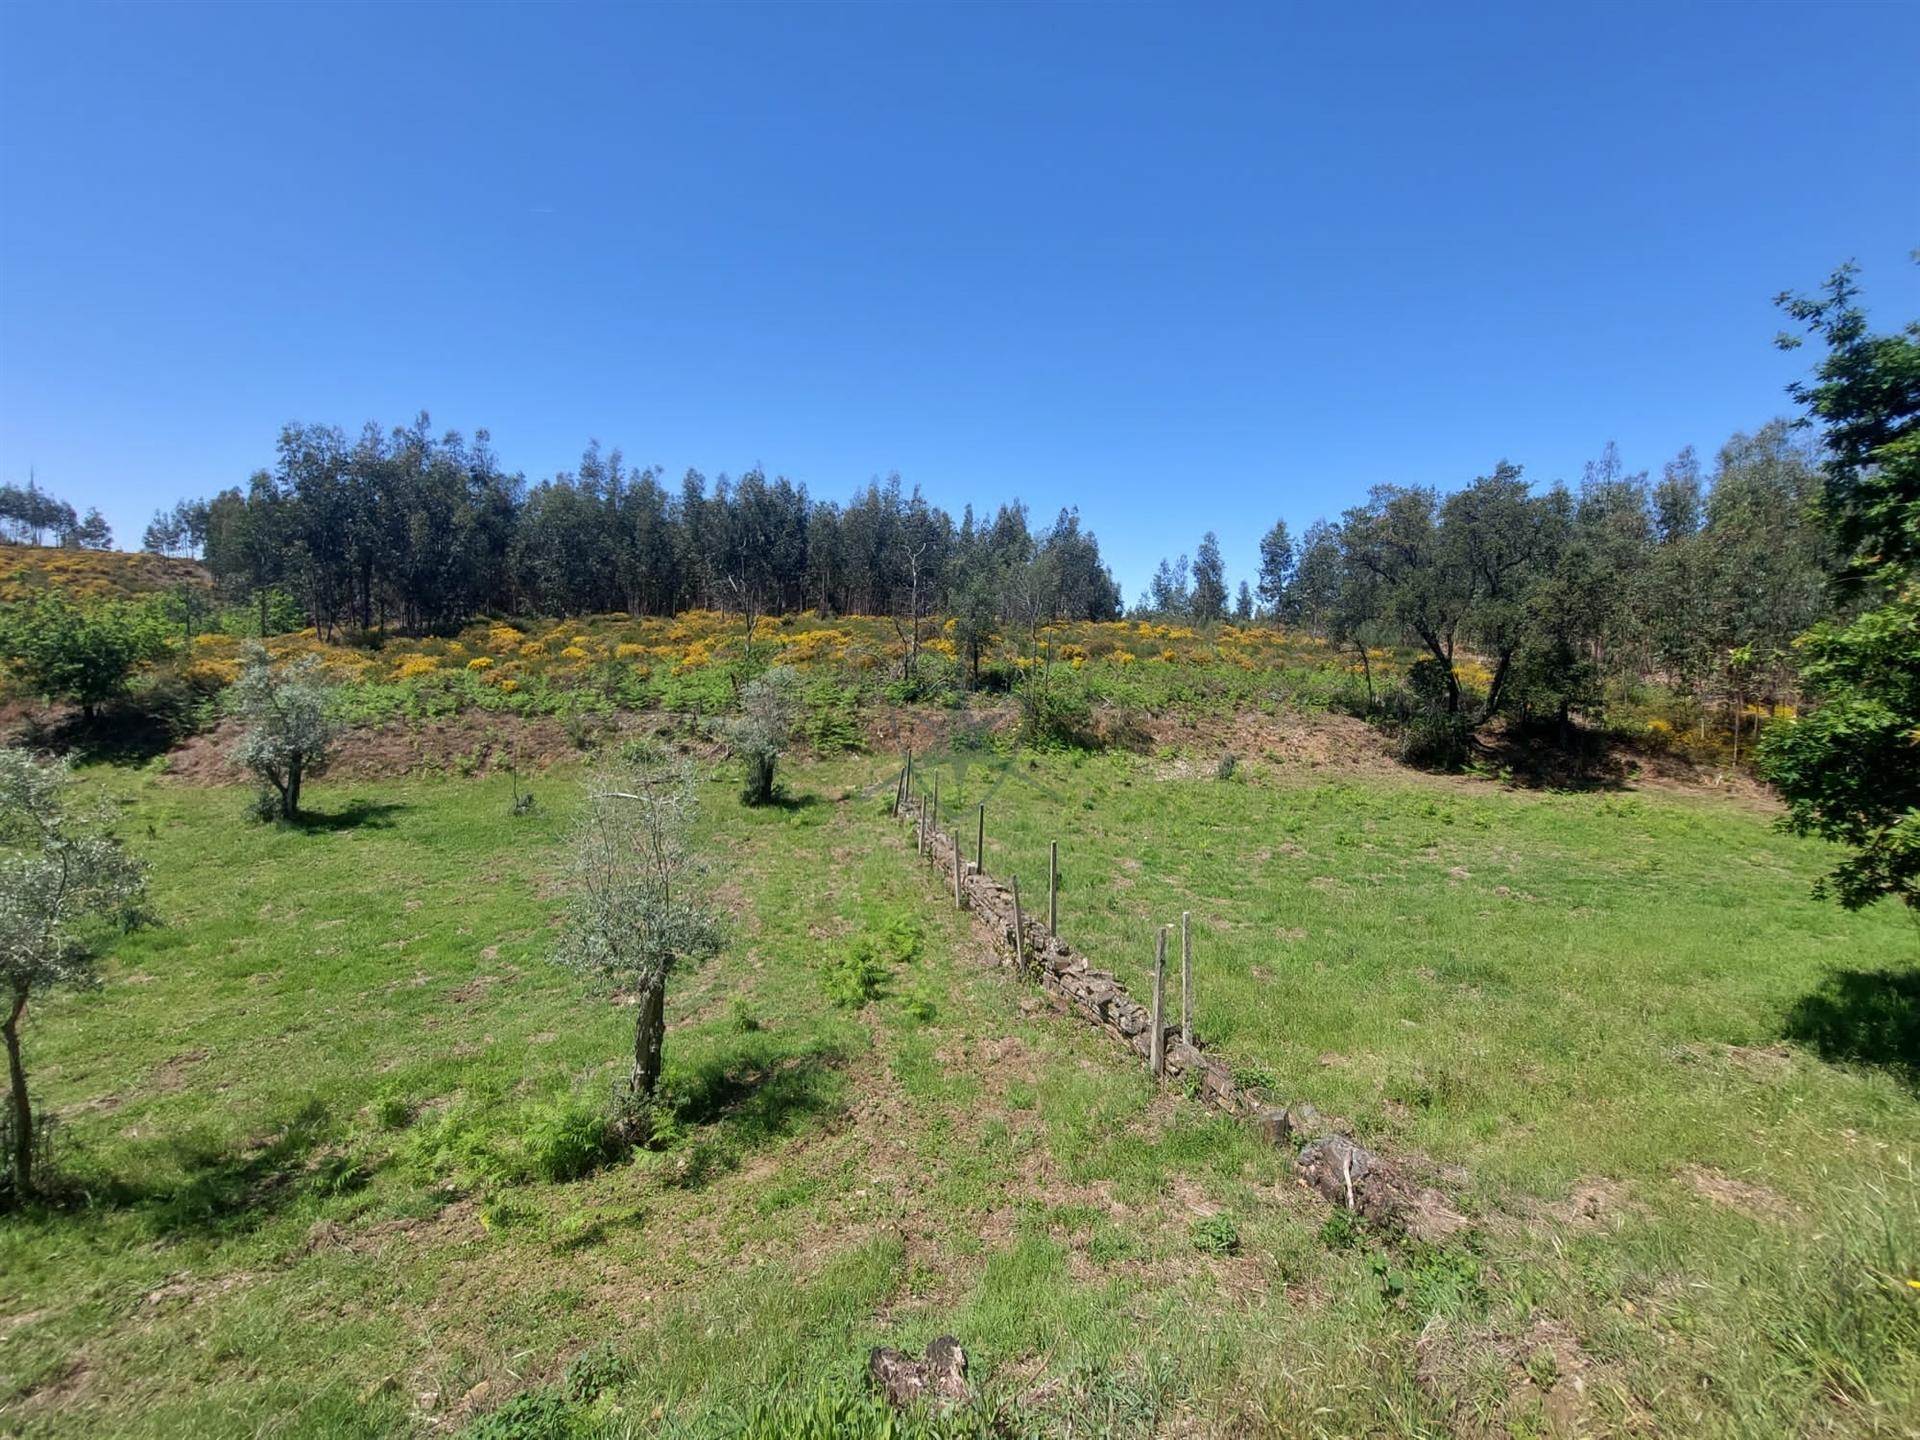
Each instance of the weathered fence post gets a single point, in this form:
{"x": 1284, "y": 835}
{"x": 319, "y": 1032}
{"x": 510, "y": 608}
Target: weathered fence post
{"x": 909, "y": 780}
{"x": 936, "y": 800}
{"x": 980, "y": 842}
{"x": 958, "y": 903}
{"x": 1019, "y": 930}
{"x": 1157, "y": 1041}
{"x": 1053, "y": 887}
{"x": 1186, "y": 976}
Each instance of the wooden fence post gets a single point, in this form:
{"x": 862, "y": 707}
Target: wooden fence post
{"x": 909, "y": 780}
{"x": 899, "y": 789}
{"x": 958, "y": 903}
{"x": 1019, "y": 931}
{"x": 1053, "y": 888}
{"x": 1157, "y": 1041}
{"x": 980, "y": 842}
{"x": 936, "y": 800}
{"x": 1186, "y": 976}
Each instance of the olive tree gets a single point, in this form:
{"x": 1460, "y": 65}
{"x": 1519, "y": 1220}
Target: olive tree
{"x": 288, "y": 727}
{"x": 635, "y": 913}
{"x": 769, "y": 705}
{"x": 63, "y": 880}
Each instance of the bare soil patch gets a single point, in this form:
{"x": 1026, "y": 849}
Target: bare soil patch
{"x": 472, "y": 743}
{"x": 172, "y": 1073}
{"x": 1295, "y": 739}
{"x": 1746, "y": 1196}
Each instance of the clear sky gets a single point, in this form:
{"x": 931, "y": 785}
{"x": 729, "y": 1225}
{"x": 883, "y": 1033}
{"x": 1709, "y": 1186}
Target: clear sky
{"x": 1188, "y": 267}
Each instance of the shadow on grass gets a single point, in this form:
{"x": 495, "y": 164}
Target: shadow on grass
{"x": 1537, "y": 755}
{"x": 782, "y": 799}
{"x": 356, "y": 815}
{"x": 129, "y": 731}
{"x": 751, "y": 1095}
{"x": 224, "y": 1189}
{"x": 1863, "y": 1017}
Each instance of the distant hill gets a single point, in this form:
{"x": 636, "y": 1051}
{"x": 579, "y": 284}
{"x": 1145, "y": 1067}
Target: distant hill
{"x": 92, "y": 574}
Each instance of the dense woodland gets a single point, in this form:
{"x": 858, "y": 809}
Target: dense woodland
{"x": 405, "y": 528}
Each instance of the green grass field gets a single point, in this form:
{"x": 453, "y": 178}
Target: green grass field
{"x": 304, "y": 1122}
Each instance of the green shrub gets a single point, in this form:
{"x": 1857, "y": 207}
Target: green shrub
{"x": 900, "y": 937}
{"x": 537, "y": 1415}
{"x": 593, "y": 1373}
{"x": 855, "y": 973}
{"x": 461, "y": 1144}
{"x": 830, "y": 719}
{"x": 1253, "y": 1077}
{"x": 506, "y": 1212}
{"x": 1436, "y": 741}
{"x": 1216, "y": 1235}
{"x": 838, "y": 1413}
{"x": 920, "y": 1007}
{"x": 392, "y": 1112}
{"x": 1056, "y": 715}
{"x": 569, "y": 1140}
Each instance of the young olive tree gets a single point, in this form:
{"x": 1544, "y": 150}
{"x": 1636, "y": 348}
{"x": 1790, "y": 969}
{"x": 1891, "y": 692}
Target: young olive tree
{"x": 288, "y": 728}
{"x": 635, "y": 915}
{"x": 63, "y": 879}
{"x": 769, "y": 705}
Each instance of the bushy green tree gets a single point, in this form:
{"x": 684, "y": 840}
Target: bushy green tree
{"x": 64, "y": 879}
{"x": 1454, "y": 572}
{"x": 635, "y": 914}
{"x": 1850, "y": 768}
{"x": 289, "y": 727}
{"x": 83, "y": 654}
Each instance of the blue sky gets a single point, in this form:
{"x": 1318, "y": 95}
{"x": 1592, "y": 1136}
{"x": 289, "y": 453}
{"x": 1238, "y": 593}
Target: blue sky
{"x": 1188, "y": 267}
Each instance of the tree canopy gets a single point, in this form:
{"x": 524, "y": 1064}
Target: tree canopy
{"x": 1850, "y": 768}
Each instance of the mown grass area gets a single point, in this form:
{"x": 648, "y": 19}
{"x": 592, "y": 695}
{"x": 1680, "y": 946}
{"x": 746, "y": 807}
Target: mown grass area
{"x": 1626, "y": 998}
{"x": 307, "y": 1117}
{"x": 298, "y": 1118}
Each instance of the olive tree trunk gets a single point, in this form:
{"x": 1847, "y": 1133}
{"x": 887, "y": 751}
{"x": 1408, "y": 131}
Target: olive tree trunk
{"x": 22, "y": 1159}
{"x": 649, "y": 1038}
{"x": 759, "y": 786}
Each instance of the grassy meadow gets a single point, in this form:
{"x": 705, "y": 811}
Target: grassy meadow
{"x": 309, "y": 1127}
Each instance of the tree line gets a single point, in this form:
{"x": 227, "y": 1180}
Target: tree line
{"x": 1699, "y": 579}
{"x": 403, "y": 527}
{"x": 30, "y": 516}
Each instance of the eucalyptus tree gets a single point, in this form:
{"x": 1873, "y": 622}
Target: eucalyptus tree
{"x": 1277, "y": 561}
{"x": 1209, "y": 599}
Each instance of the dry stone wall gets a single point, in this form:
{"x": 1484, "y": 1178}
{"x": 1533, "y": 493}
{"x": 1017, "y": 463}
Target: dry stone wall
{"x": 1069, "y": 981}
{"x": 1330, "y": 1163}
